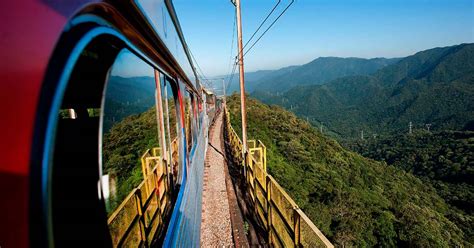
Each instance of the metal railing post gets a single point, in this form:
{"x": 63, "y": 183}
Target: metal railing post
{"x": 141, "y": 221}
{"x": 269, "y": 208}
{"x": 296, "y": 228}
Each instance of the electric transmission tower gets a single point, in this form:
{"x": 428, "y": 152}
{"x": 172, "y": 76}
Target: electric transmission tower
{"x": 428, "y": 126}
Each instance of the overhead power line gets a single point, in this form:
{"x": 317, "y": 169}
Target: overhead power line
{"x": 231, "y": 76}
{"x": 271, "y": 25}
{"x": 236, "y": 60}
{"x": 232, "y": 59}
{"x": 261, "y": 24}
{"x": 199, "y": 71}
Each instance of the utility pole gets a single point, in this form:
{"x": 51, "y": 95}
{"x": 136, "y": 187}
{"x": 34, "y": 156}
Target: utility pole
{"x": 321, "y": 128}
{"x": 410, "y": 128}
{"x": 362, "y": 135}
{"x": 241, "y": 74}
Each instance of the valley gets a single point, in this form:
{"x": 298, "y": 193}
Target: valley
{"x": 405, "y": 121}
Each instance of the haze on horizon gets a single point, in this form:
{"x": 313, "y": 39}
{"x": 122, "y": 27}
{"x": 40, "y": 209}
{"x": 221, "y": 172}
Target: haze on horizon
{"x": 323, "y": 28}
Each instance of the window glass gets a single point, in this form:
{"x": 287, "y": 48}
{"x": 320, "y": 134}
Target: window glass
{"x": 188, "y": 119}
{"x": 171, "y": 124}
{"x": 158, "y": 15}
{"x": 200, "y": 107}
{"x": 195, "y": 116}
{"x": 130, "y": 128}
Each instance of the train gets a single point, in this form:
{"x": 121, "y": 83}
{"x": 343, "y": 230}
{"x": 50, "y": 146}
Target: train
{"x": 104, "y": 125}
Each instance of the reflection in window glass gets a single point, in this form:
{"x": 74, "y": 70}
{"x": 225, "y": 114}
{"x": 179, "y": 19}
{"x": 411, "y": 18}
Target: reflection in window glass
{"x": 188, "y": 120}
{"x": 130, "y": 126}
{"x": 157, "y": 14}
{"x": 196, "y": 116}
{"x": 171, "y": 125}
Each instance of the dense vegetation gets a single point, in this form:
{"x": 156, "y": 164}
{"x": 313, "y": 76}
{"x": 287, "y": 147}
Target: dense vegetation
{"x": 443, "y": 159}
{"x": 123, "y": 147}
{"x": 129, "y": 129}
{"x": 353, "y": 200}
{"x": 431, "y": 87}
{"x": 127, "y": 96}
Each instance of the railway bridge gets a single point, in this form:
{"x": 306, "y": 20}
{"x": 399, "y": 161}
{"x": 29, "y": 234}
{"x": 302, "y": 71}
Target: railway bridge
{"x": 242, "y": 205}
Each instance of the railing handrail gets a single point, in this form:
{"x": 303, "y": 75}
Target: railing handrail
{"x": 121, "y": 206}
{"x": 154, "y": 181}
{"x": 298, "y": 237}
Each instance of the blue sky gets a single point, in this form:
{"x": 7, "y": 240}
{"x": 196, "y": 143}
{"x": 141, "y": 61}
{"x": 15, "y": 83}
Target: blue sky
{"x": 316, "y": 28}
{"x": 128, "y": 64}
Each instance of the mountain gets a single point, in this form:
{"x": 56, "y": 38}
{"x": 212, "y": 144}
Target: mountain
{"x": 353, "y": 200}
{"x": 252, "y": 79}
{"x": 127, "y": 96}
{"x": 130, "y": 88}
{"x": 320, "y": 71}
{"x": 430, "y": 87}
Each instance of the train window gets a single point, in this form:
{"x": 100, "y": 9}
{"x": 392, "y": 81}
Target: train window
{"x": 74, "y": 203}
{"x": 171, "y": 125}
{"x": 194, "y": 117}
{"x": 72, "y": 114}
{"x": 188, "y": 120}
{"x": 200, "y": 108}
{"x": 129, "y": 130}
{"x": 197, "y": 115}
{"x": 108, "y": 116}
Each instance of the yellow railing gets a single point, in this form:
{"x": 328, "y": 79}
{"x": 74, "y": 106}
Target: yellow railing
{"x": 140, "y": 216}
{"x": 284, "y": 222}
{"x": 174, "y": 166}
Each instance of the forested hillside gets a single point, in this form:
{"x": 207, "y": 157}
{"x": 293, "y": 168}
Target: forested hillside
{"x": 126, "y": 96}
{"x": 355, "y": 201}
{"x": 431, "y": 87}
{"x": 123, "y": 146}
{"x": 443, "y": 159}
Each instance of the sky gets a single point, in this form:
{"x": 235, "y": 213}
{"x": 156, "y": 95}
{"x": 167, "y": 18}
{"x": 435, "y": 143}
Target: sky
{"x": 319, "y": 28}
{"x": 127, "y": 64}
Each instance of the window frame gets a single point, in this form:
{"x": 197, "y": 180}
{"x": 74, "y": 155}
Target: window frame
{"x": 81, "y": 31}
